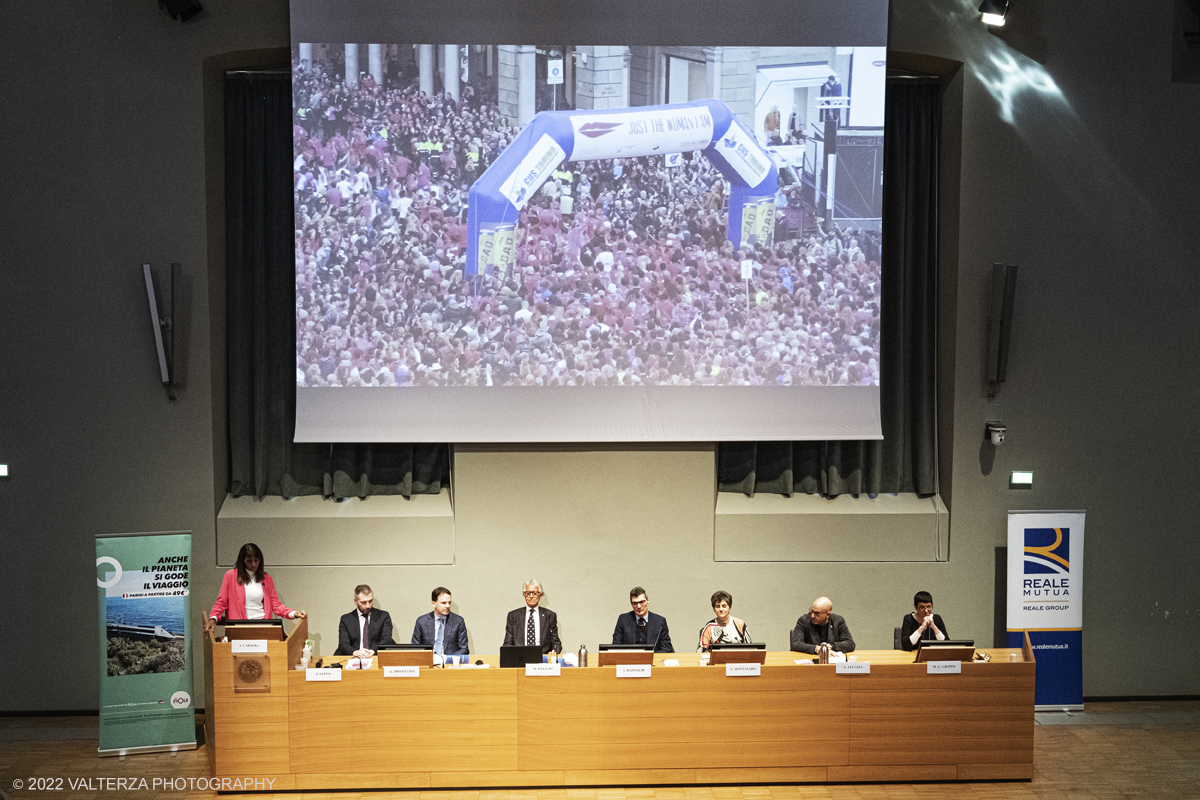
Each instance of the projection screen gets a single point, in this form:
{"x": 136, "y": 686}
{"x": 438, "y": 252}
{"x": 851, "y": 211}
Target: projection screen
{"x": 611, "y": 221}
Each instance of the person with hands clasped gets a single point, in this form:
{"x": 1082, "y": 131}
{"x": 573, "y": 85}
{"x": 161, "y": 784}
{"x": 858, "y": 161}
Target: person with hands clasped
{"x": 922, "y": 623}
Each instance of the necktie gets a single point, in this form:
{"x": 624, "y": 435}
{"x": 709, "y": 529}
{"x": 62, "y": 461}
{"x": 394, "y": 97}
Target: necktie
{"x": 530, "y": 634}
{"x": 366, "y": 624}
{"x": 439, "y": 640}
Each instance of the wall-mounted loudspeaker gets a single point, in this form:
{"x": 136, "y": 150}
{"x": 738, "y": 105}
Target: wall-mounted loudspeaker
{"x": 163, "y": 325}
{"x": 1000, "y": 321}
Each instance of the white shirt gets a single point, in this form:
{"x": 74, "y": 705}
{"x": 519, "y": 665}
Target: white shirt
{"x": 254, "y": 600}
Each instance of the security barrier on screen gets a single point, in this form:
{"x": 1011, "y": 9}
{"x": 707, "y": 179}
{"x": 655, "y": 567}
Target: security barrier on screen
{"x": 552, "y": 137}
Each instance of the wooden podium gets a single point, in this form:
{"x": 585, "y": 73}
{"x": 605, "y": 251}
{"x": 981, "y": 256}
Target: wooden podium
{"x": 793, "y": 723}
{"x": 247, "y": 730}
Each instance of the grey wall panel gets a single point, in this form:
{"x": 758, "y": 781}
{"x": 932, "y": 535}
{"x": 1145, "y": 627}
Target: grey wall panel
{"x": 311, "y": 531}
{"x": 812, "y": 528}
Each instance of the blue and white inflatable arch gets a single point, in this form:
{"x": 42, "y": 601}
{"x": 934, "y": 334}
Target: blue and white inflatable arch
{"x": 551, "y": 137}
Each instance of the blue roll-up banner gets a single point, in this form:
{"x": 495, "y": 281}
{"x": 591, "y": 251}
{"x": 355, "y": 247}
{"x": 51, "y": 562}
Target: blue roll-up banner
{"x": 142, "y": 583}
{"x": 1045, "y": 597}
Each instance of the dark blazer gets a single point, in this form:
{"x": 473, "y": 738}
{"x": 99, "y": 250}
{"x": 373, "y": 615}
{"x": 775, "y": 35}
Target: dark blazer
{"x": 379, "y": 632}
{"x": 455, "y": 638}
{"x": 806, "y": 636}
{"x": 514, "y": 629}
{"x": 909, "y": 627}
{"x": 657, "y": 634}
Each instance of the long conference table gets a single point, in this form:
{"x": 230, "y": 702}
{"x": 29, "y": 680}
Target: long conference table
{"x": 690, "y": 724}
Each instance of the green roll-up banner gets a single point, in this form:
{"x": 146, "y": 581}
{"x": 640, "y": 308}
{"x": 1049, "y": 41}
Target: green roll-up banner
{"x": 142, "y": 582}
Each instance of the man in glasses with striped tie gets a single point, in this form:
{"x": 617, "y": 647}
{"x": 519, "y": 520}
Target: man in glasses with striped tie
{"x": 533, "y": 624}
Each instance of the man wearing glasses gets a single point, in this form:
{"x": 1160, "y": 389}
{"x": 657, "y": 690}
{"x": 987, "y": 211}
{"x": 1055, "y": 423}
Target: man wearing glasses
{"x": 639, "y": 626}
{"x": 533, "y": 624}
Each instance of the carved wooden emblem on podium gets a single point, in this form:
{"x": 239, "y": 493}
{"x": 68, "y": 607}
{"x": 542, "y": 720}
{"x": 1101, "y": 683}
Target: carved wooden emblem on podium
{"x": 251, "y": 673}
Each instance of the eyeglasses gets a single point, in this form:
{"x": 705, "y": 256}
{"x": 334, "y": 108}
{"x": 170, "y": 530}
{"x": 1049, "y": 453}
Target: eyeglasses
{"x": 638, "y": 602}
{"x": 532, "y": 594}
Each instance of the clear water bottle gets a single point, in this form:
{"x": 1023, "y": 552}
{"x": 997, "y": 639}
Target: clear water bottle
{"x": 582, "y": 655}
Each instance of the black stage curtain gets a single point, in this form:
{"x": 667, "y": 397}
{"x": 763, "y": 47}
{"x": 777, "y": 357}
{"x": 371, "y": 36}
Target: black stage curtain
{"x": 906, "y": 459}
{"x": 261, "y": 326}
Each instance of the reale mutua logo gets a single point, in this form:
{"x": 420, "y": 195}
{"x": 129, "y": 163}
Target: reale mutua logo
{"x": 1047, "y": 551}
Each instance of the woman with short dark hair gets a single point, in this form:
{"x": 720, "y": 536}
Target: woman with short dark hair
{"x": 922, "y": 623}
{"x": 247, "y": 592}
{"x": 724, "y": 628}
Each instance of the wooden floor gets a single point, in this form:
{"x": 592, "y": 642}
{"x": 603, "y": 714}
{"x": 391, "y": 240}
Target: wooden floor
{"x": 1112, "y": 750}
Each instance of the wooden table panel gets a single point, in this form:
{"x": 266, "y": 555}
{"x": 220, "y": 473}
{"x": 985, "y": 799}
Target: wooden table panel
{"x": 334, "y": 782}
{"x": 256, "y": 733}
{"x": 937, "y": 750}
{"x": 371, "y": 683}
{"x": 721, "y": 755}
{"x": 867, "y": 702}
{"x": 310, "y": 714}
{"x": 399, "y": 733}
{"x": 340, "y": 758}
{"x": 629, "y": 777}
{"x": 241, "y": 761}
{"x": 908, "y": 773}
{"x": 618, "y": 730}
{"x": 983, "y": 677}
{"x": 678, "y": 705}
{"x": 943, "y": 724}
{"x": 604, "y": 680}
{"x": 684, "y": 725}
{"x": 474, "y": 778}
{"x": 250, "y": 708}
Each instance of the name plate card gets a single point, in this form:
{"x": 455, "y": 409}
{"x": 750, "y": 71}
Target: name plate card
{"x": 853, "y": 667}
{"x": 943, "y": 667}
{"x": 249, "y": 645}
{"x": 401, "y": 672}
{"x": 543, "y": 669}
{"x": 633, "y": 670}
{"x": 743, "y": 670}
{"x": 323, "y": 674}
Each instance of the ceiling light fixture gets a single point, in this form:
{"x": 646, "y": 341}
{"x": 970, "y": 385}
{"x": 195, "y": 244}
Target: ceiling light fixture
{"x": 994, "y": 12}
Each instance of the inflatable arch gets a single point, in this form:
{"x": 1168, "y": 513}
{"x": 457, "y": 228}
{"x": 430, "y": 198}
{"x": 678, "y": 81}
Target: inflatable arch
{"x": 552, "y": 137}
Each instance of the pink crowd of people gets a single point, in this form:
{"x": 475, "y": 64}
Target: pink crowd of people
{"x": 622, "y": 277}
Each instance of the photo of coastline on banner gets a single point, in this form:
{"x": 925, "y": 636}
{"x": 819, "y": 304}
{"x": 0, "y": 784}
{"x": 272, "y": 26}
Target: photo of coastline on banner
{"x": 558, "y": 230}
{"x": 1045, "y": 597}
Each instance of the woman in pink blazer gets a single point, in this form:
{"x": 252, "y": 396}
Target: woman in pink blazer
{"x": 248, "y": 593}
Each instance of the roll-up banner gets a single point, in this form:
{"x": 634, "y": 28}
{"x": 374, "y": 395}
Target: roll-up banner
{"x": 1045, "y": 597}
{"x": 142, "y": 582}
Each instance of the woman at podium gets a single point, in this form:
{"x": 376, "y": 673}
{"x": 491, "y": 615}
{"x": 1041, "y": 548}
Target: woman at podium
{"x": 724, "y": 628}
{"x": 247, "y": 592}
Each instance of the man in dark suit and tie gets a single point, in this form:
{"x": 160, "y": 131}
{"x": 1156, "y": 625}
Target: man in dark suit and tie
{"x": 362, "y": 631}
{"x": 533, "y": 624}
{"x": 442, "y": 628}
{"x": 639, "y": 626}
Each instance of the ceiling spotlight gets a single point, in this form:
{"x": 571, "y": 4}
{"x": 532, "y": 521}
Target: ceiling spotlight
{"x": 994, "y": 11}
